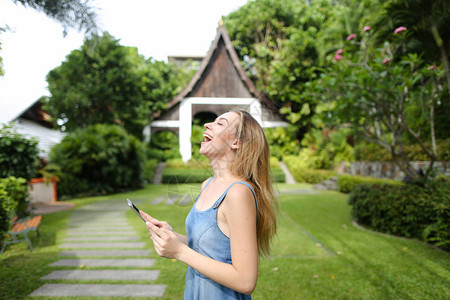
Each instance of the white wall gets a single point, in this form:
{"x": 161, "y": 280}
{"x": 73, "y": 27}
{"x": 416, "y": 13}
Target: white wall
{"x": 46, "y": 137}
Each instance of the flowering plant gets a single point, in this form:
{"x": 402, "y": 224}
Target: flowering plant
{"x": 386, "y": 94}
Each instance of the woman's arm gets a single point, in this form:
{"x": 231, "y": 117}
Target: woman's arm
{"x": 239, "y": 211}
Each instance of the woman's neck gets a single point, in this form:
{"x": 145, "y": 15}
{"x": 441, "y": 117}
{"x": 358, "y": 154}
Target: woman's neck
{"x": 221, "y": 169}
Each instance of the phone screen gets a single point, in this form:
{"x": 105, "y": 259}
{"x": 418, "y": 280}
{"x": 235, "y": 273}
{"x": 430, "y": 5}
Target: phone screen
{"x": 135, "y": 209}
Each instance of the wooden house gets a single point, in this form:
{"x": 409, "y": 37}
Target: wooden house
{"x": 219, "y": 85}
{"x": 34, "y": 122}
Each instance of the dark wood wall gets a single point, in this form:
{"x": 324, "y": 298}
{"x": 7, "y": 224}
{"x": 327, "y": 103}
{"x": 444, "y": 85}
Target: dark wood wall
{"x": 220, "y": 79}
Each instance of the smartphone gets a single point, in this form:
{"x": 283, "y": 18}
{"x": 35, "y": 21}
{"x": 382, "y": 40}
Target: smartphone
{"x": 135, "y": 209}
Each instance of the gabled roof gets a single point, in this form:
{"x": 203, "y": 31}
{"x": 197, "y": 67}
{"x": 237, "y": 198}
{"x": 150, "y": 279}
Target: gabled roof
{"x": 222, "y": 38}
{"x": 33, "y": 112}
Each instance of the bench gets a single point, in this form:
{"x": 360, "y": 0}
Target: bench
{"x": 22, "y": 227}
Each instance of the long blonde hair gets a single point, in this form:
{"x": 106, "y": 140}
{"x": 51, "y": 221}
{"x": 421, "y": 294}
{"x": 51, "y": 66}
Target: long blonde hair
{"x": 252, "y": 163}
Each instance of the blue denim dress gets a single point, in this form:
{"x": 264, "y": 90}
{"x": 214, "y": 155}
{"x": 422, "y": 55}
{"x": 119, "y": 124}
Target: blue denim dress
{"x": 205, "y": 237}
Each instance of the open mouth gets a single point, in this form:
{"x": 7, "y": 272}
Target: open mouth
{"x": 207, "y": 138}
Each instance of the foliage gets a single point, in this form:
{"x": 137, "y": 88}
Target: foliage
{"x": 18, "y": 154}
{"x": 14, "y": 196}
{"x": 71, "y": 13}
{"x": 375, "y": 90}
{"x": 175, "y": 176}
{"x": 406, "y": 210}
{"x": 164, "y": 145}
{"x": 429, "y": 23}
{"x": 101, "y": 158}
{"x": 105, "y": 82}
{"x": 279, "y": 43}
{"x": 347, "y": 183}
{"x": 282, "y": 141}
{"x": 329, "y": 147}
{"x": 374, "y": 152}
{"x": 13, "y": 201}
{"x": 149, "y": 169}
{"x": 301, "y": 168}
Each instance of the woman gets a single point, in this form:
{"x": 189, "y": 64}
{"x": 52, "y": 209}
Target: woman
{"x": 233, "y": 218}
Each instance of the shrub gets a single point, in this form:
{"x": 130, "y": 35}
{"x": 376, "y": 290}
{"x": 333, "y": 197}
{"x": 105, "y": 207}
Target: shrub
{"x": 302, "y": 170}
{"x": 186, "y": 175}
{"x": 282, "y": 141}
{"x": 99, "y": 159}
{"x": 346, "y": 183}
{"x": 149, "y": 169}
{"x": 405, "y": 210}
{"x": 13, "y": 201}
{"x": 18, "y": 155}
{"x": 17, "y": 191}
{"x": 164, "y": 145}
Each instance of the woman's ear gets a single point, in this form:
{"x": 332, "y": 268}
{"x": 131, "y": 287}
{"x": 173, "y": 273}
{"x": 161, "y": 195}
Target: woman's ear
{"x": 235, "y": 145}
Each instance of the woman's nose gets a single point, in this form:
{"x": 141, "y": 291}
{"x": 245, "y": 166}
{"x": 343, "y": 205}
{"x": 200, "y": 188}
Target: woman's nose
{"x": 207, "y": 125}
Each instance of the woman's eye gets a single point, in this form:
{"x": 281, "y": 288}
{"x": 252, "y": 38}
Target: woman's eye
{"x": 219, "y": 123}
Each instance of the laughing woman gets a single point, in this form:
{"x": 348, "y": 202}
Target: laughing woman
{"x": 233, "y": 218}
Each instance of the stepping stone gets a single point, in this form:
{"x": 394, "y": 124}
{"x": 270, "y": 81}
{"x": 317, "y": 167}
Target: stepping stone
{"x": 108, "y": 233}
{"x": 100, "y": 290}
{"x": 103, "y": 245}
{"x": 158, "y": 200}
{"x": 101, "y": 238}
{"x": 104, "y": 262}
{"x": 105, "y": 253}
{"x": 102, "y": 227}
{"x": 103, "y": 275}
{"x": 100, "y": 231}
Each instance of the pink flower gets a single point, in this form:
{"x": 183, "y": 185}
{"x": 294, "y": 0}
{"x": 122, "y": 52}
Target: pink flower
{"x": 337, "y": 57}
{"x": 386, "y": 60}
{"x": 433, "y": 67}
{"x": 367, "y": 28}
{"x": 351, "y": 36}
{"x": 400, "y": 29}
{"x": 339, "y": 51}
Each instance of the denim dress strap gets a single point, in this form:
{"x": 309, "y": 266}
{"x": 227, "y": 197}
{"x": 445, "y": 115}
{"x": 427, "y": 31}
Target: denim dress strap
{"x": 217, "y": 203}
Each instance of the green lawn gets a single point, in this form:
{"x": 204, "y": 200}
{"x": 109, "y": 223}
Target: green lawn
{"x": 318, "y": 253}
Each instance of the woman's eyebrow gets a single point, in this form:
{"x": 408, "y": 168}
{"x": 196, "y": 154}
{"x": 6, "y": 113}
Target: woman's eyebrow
{"x": 222, "y": 118}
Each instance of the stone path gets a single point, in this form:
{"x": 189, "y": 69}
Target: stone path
{"x": 99, "y": 236}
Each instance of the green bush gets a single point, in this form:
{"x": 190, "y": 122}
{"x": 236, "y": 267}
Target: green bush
{"x": 13, "y": 201}
{"x": 346, "y": 183}
{"x": 164, "y": 145}
{"x": 99, "y": 159}
{"x": 149, "y": 169}
{"x": 302, "y": 171}
{"x": 405, "y": 210}
{"x": 186, "y": 175}
{"x": 18, "y": 154}
{"x": 282, "y": 141}
{"x": 324, "y": 149}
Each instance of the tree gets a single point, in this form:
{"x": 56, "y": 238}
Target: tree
{"x": 386, "y": 94}
{"x": 278, "y": 41}
{"x": 428, "y": 22}
{"x": 70, "y": 13}
{"x": 105, "y": 82}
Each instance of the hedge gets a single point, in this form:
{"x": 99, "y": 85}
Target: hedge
{"x": 13, "y": 201}
{"x": 346, "y": 183}
{"x": 405, "y": 210}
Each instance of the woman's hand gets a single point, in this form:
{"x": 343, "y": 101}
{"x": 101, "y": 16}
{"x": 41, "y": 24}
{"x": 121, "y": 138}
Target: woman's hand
{"x": 160, "y": 224}
{"x": 166, "y": 242}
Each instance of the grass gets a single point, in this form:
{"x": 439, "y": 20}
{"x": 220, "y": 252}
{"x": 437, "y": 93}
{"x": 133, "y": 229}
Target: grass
{"x": 318, "y": 253}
